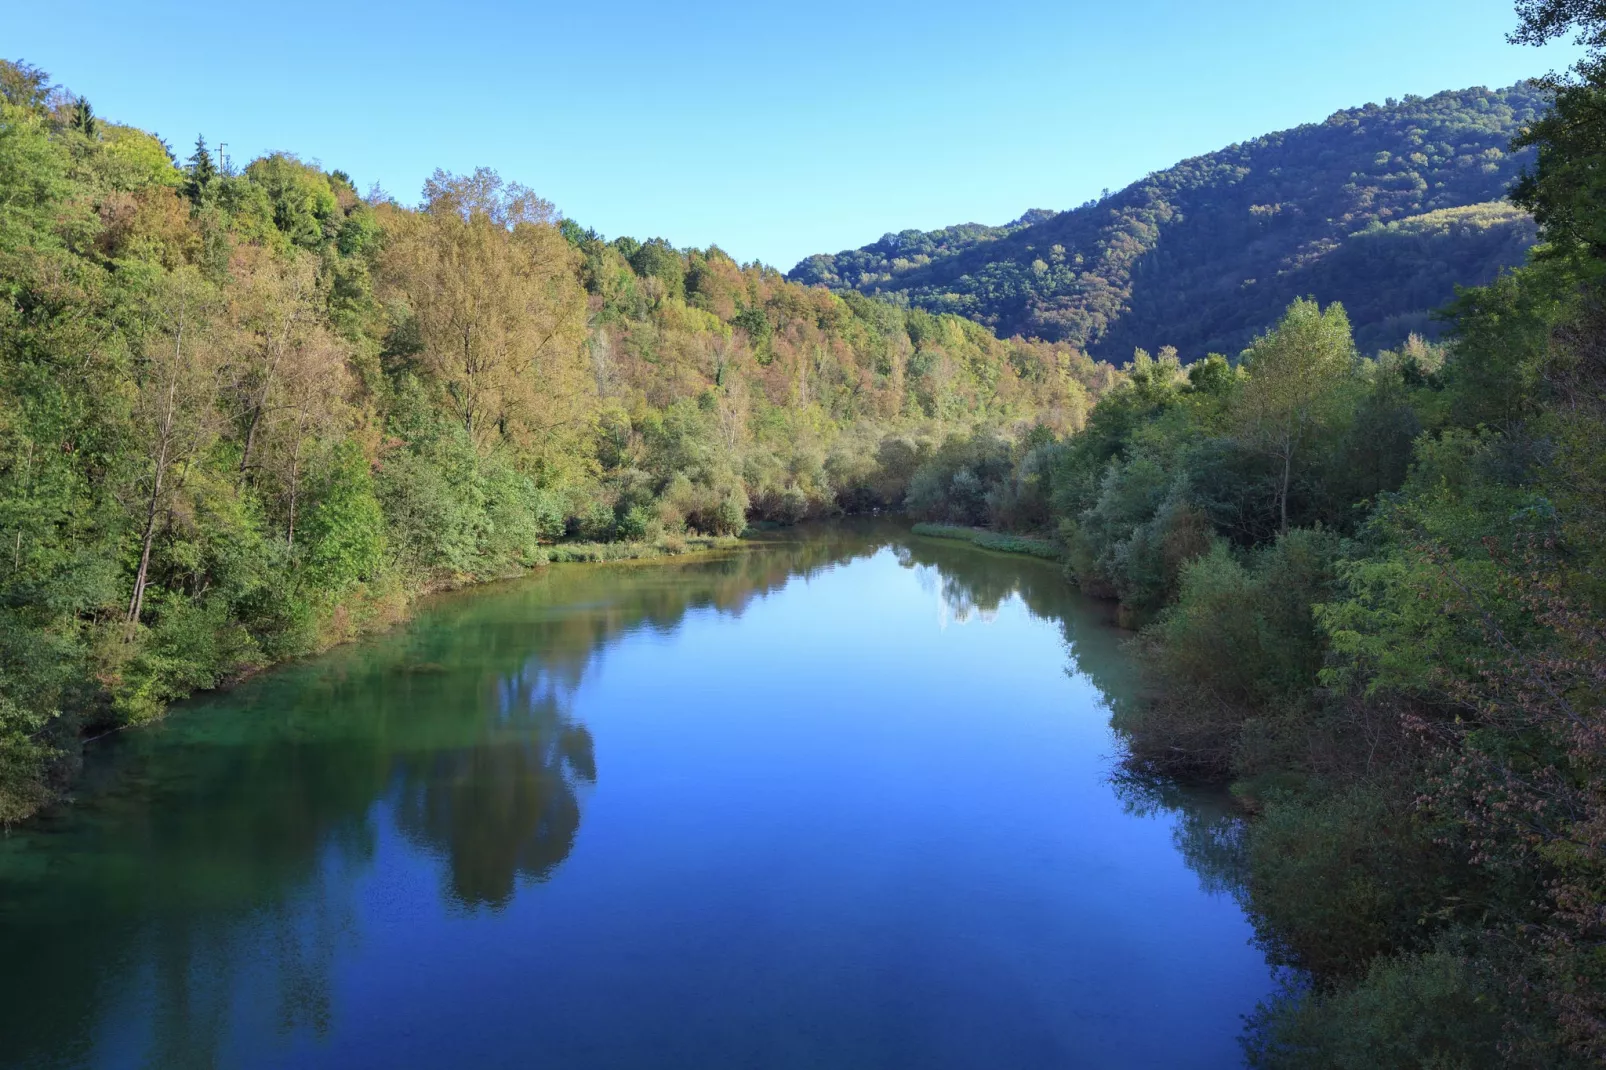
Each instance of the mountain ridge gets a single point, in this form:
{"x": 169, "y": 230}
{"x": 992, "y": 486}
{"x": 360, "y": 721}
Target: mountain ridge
{"x": 1205, "y": 254}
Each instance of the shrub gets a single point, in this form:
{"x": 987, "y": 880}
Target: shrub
{"x": 594, "y": 522}
{"x": 1431, "y": 1011}
{"x": 1340, "y": 879}
{"x": 1241, "y": 639}
{"x": 344, "y": 530}
{"x": 190, "y": 647}
{"x": 1248, "y": 633}
{"x": 730, "y": 515}
{"x": 636, "y": 524}
{"x": 794, "y": 505}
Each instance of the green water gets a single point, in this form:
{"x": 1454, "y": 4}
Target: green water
{"x": 842, "y": 798}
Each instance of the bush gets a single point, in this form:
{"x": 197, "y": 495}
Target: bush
{"x": 730, "y": 516}
{"x": 961, "y": 481}
{"x": 1341, "y": 879}
{"x": 594, "y": 522}
{"x": 189, "y": 648}
{"x": 344, "y": 530}
{"x": 1240, "y": 640}
{"x": 1432, "y": 1011}
{"x": 432, "y": 517}
{"x": 1249, "y": 633}
{"x": 636, "y": 524}
{"x": 794, "y": 505}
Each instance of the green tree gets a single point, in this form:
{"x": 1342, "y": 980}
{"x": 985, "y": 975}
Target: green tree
{"x": 22, "y": 85}
{"x": 202, "y": 173}
{"x": 1289, "y": 397}
{"x": 175, "y": 411}
{"x": 83, "y": 118}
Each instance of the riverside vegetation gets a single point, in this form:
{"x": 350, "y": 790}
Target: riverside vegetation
{"x": 246, "y": 415}
{"x": 1370, "y": 593}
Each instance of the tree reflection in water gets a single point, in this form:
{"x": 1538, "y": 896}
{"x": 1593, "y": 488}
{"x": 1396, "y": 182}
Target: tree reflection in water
{"x": 504, "y": 806}
{"x": 209, "y": 870}
{"x": 1209, "y": 831}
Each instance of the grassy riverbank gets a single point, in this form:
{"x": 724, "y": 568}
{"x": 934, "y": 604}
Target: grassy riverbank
{"x": 992, "y": 540}
{"x": 665, "y": 546}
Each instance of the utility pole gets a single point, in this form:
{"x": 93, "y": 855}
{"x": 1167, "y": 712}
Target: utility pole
{"x": 222, "y": 164}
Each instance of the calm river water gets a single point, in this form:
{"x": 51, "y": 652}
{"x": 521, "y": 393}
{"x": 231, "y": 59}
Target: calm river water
{"x": 844, "y": 798}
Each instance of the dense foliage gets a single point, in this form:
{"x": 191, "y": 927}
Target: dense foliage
{"x": 1384, "y": 209}
{"x": 244, "y": 415}
{"x": 1370, "y": 593}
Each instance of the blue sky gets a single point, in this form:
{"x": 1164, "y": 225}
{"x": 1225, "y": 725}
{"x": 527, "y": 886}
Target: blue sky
{"x": 774, "y": 131}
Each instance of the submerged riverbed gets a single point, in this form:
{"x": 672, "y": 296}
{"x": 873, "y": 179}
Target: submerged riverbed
{"x": 844, "y": 798}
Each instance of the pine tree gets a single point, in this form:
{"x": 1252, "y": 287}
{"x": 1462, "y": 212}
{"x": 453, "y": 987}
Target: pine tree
{"x": 83, "y": 118}
{"x": 202, "y": 172}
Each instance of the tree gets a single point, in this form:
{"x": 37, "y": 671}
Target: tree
{"x": 201, "y": 171}
{"x": 1293, "y": 372}
{"x": 175, "y": 410}
{"x": 274, "y": 308}
{"x": 305, "y": 209}
{"x": 490, "y": 286}
{"x": 1542, "y": 21}
{"x": 83, "y": 117}
{"x": 288, "y": 374}
{"x": 1564, "y": 188}
{"x": 313, "y": 413}
{"x": 23, "y": 85}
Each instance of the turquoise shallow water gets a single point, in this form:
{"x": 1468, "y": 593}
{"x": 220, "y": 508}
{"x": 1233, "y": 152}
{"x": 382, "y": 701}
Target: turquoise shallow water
{"x": 844, "y": 798}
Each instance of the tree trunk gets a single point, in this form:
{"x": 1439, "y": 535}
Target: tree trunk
{"x": 1282, "y": 496}
{"x": 137, "y": 602}
{"x": 250, "y": 436}
{"x": 295, "y": 486}
{"x": 164, "y": 447}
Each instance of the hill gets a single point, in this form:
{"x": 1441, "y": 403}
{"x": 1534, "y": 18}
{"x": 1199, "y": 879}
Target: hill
{"x": 247, "y": 413}
{"x": 1385, "y": 208}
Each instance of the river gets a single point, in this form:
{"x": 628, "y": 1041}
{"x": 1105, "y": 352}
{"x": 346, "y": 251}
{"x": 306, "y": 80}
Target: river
{"x": 844, "y": 797}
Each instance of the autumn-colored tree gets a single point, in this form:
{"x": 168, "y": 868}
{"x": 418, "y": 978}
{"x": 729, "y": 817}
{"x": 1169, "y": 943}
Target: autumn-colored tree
{"x": 175, "y": 413}
{"x": 289, "y": 376}
{"x": 490, "y": 285}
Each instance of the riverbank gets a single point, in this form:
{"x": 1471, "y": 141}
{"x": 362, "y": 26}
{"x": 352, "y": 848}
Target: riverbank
{"x": 992, "y": 540}
{"x": 665, "y": 546}
{"x": 353, "y": 624}
{"x": 484, "y": 794}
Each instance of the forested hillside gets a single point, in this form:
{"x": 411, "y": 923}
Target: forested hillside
{"x": 1385, "y": 209}
{"x": 247, "y": 414}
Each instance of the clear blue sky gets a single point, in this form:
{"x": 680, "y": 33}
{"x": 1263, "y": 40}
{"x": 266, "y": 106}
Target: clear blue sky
{"x": 773, "y": 130}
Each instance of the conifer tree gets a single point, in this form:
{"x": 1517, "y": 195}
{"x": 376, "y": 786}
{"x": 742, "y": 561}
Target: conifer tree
{"x": 202, "y": 172}
{"x": 83, "y": 117}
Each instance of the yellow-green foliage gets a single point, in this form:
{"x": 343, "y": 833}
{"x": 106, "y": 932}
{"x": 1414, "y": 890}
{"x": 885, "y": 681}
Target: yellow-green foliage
{"x": 246, "y": 413}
